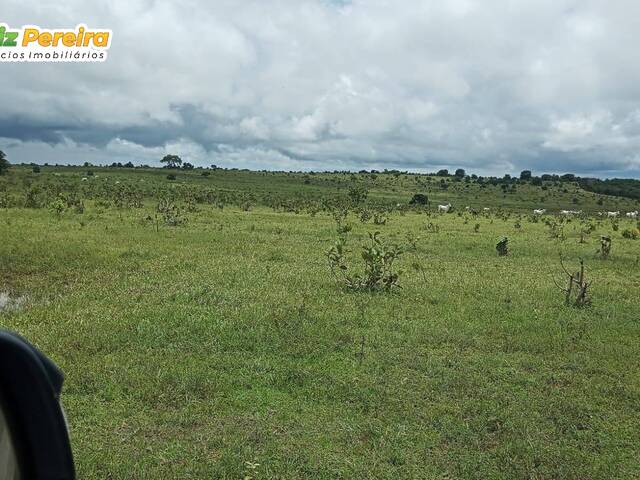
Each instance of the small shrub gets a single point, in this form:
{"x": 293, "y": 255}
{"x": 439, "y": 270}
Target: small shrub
{"x": 171, "y": 214}
{"x": 357, "y": 194}
{"x": 171, "y": 176}
{"x": 365, "y": 215}
{"x": 631, "y": 233}
{"x": 379, "y": 219}
{"x": 378, "y": 258}
{"x": 605, "y": 247}
{"x": 419, "y": 199}
{"x": 58, "y": 206}
{"x": 432, "y": 227}
{"x": 502, "y": 247}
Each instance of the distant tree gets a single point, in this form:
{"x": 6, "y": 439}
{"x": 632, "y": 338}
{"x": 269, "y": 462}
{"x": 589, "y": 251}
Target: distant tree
{"x": 568, "y": 177}
{"x": 187, "y": 166}
{"x": 525, "y": 175}
{"x": 129, "y": 165}
{"x": 419, "y": 199}
{"x": 357, "y": 194}
{"x": 35, "y": 169}
{"x": 4, "y": 163}
{"x": 443, "y": 173}
{"x": 171, "y": 161}
{"x": 536, "y": 181}
{"x": 460, "y": 173}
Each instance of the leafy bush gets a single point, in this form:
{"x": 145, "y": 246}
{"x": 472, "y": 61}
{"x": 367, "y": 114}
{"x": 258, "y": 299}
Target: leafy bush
{"x": 419, "y": 199}
{"x": 631, "y": 233}
{"x": 58, "y": 206}
{"x": 357, "y": 194}
{"x": 378, "y": 260}
{"x": 171, "y": 214}
{"x": 502, "y": 247}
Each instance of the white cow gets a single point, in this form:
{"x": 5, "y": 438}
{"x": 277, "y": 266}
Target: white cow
{"x": 539, "y": 211}
{"x": 570, "y": 212}
{"x": 486, "y": 209}
{"x": 84, "y": 179}
{"x": 632, "y": 214}
{"x": 613, "y": 214}
{"x": 444, "y": 208}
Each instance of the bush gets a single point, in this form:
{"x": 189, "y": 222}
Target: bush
{"x": 378, "y": 260}
{"x": 502, "y": 247}
{"x": 632, "y": 233}
{"x": 419, "y": 199}
{"x": 171, "y": 176}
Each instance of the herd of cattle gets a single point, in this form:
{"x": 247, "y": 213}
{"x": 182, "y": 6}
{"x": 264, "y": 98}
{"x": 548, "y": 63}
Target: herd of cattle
{"x": 541, "y": 211}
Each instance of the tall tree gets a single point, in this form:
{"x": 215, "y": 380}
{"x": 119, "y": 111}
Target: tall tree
{"x": 172, "y": 161}
{"x": 525, "y": 175}
{"x": 4, "y": 163}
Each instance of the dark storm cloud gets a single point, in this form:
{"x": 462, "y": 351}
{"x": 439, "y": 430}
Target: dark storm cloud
{"x": 492, "y": 86}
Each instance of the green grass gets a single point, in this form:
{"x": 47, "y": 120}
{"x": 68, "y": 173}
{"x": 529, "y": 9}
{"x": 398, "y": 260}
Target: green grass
{"x": 192, "y": 350}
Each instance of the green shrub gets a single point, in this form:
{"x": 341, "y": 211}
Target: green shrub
{"x": 378, "y": 258}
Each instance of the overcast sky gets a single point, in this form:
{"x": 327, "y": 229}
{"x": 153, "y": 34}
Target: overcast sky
{"x": 492, "y": 86}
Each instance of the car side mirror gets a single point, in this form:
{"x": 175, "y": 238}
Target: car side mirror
{"x": 34, "y": 440}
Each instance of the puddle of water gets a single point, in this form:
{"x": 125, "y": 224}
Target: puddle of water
{"x": 11, "y": 302}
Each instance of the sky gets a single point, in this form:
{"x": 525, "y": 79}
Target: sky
{"x": 491, "y": 86}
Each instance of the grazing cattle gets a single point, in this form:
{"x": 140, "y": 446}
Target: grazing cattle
{"x": 539, "y": 211}
{"x": 444, "y": 208}
{"x": 613, "y": 214}
{"x": 632, "y": 214}
{"x": 486, "y": 209}
{"x": 570, "y": 212}
{"x": 84, "y": 179}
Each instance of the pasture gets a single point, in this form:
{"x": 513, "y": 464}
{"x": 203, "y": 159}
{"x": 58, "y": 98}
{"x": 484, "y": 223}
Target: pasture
{"x": 203, "y": 334}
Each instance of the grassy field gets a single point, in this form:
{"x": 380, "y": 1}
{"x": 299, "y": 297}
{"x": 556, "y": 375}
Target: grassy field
{"x": 224, "y": 348}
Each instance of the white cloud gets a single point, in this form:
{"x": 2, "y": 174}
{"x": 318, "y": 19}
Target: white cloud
{"x": 364, "y": 84}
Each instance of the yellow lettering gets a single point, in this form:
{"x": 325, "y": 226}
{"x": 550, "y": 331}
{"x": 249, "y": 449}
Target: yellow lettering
{"x": 80, "y": 35}
{"x": 44, "y": 39}
{"x": 101, "y": 39}
{"x": 30, "y": 35}
{"x": 87, "y": 36}
{"x": 56, "y": 38}
{"x": 68, "y": 39}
